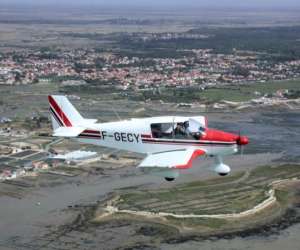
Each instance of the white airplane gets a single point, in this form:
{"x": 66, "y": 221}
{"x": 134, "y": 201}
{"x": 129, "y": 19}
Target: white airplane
{"x": 170, "y": 143}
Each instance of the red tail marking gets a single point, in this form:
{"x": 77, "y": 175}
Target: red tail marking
{"x": 59, "y": 112}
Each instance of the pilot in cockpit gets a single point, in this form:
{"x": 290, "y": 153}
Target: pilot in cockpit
{"x": 194, "y": 134}
{"x": 183, "y": 130}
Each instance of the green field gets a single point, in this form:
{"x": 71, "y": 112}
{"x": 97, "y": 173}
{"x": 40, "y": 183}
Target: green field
{"x": 235, "y": 93}
{"x": 246, "y": 92}
{"x": 232, "y": 194}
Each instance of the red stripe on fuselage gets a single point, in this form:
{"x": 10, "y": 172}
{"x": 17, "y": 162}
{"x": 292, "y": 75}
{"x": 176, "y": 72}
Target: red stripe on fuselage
{"x": 146, "y": 136}
{"x": 91, "y": 132}
{"x": 89, "y": 136}
{"x": 191, "y": 143}
{"x": 63, "y": 118}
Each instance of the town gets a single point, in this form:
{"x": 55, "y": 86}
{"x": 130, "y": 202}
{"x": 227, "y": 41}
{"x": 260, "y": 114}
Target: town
{"x": 202, "y": 67}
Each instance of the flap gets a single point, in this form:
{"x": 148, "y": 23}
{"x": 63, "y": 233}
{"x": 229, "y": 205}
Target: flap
{"x": 180, "y": 159}
{"x": 68, "y": 131}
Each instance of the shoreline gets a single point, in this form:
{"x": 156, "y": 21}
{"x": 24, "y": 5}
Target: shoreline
{"x": 268, "y": 217}
{"x": 110, "y": 209}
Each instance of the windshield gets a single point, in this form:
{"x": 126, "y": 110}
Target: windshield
{"x": 179, "y": 130}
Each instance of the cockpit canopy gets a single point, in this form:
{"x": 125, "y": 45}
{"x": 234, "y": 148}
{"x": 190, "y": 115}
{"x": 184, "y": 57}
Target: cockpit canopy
{"x": 190, "y": 128}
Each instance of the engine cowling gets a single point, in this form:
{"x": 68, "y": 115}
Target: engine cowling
{"x": 222, "y": 169}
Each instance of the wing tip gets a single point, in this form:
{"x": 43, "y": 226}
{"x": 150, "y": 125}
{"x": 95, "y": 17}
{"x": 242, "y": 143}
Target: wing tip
{"x": 196, "y": 153}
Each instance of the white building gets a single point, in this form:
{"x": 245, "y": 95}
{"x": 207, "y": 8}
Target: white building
{"x": 76, "y": 155}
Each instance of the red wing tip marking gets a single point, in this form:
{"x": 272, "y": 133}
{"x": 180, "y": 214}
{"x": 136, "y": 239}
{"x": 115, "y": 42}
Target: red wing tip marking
{"x": 195, "y": 154}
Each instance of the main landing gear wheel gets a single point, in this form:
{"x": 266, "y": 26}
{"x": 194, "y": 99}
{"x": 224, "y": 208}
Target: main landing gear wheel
{"x": 221, "y": 168}
{"x": 169, "y": 179}
{"x": 223, "y": 174}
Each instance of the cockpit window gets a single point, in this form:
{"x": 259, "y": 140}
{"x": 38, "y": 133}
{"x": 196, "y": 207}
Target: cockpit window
{"x": 162, "y": 130}
{"x": 180, "y": 130}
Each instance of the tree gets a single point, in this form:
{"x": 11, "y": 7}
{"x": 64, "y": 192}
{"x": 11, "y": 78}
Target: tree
{"x": 241, "y": 71}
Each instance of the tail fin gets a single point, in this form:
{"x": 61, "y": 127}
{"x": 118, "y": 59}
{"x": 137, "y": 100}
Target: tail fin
{"x": 64, "y": 114}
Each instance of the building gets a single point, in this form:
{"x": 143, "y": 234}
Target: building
{"x": 76, "y": 155}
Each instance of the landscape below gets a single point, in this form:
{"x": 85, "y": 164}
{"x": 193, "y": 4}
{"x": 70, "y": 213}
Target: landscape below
{"x": 239, "y": 203}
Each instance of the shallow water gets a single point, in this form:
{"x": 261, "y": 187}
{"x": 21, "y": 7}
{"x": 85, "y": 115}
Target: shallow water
{"x": 271, "y": 132}
{"x": 287, "y": 239}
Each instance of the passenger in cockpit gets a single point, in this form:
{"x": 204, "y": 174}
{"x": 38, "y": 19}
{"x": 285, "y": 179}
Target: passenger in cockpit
{"x": 179, "y": 131}
{"x": 183, "y": 130}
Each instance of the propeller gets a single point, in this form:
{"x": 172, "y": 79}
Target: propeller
{"x": 241, "y": 141}
{"x": 241, "y": 148}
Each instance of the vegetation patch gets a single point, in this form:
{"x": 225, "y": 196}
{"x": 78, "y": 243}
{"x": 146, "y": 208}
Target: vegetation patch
{"x": 236, "y": 194}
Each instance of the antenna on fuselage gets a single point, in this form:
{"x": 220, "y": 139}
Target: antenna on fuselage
{"x": 116, "y": 113}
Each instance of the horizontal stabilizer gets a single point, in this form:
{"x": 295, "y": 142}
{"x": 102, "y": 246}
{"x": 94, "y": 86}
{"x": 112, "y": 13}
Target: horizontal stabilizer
{"x": 68, "y": 131}
{"x": 172, "y": 159}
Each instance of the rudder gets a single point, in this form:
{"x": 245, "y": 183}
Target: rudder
{"x": 63, "y": 113}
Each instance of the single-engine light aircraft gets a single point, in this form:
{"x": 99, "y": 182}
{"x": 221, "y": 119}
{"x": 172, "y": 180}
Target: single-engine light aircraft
{"x": 170, "y": 143}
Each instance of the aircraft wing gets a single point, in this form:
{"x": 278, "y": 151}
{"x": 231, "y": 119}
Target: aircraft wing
{"x": 68, "y": 131}
{"x": 179, "y": 159}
